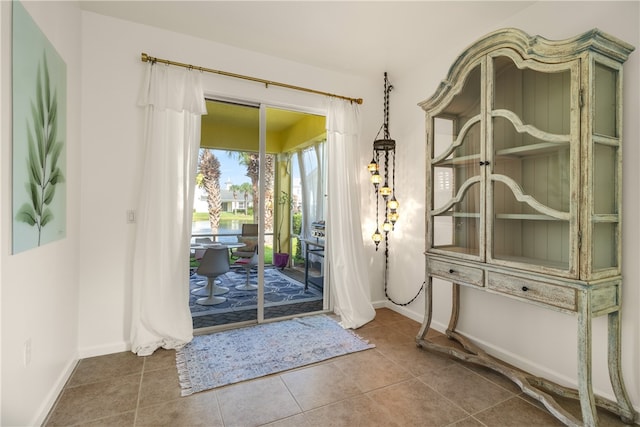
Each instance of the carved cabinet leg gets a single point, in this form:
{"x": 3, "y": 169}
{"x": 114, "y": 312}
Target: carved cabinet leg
{"x": 626, "y": 411}
{"x": 428, "y": 309}
{"x": 585, "y": 386}
{"x": 455, "y": 308}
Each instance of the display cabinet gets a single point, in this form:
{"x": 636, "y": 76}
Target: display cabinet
{"x": 524, "y": 192}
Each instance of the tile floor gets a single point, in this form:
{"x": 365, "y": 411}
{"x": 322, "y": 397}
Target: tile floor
{"x": 395, "y": 384}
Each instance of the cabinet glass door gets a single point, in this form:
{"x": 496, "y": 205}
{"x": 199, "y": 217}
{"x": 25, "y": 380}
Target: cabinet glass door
{"x": 605, "y": 220}
{"x": 455, "y": 172}
{"x": 532, "y": 131}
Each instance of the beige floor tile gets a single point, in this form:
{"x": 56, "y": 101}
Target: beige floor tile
{"x": 121, "y": 420}
{"x": 416, "y": 360}
{"x": 199, "y": 409}
{"x": 256, "y": 402}
{"x": 319, "y": 385}
{"x": 516, "y": 412}
{"x": 159, "y": 385}
{"x": 298, "y": 420}
{"x": 89, "y": 402}
{"x": 494, "y": 377}
{"x": 106, "y": 367}
{"x": 357, "y": 411}
{"x": 369, "y": 369}
{"x": 387, "y": 315}
{"x": 160, "y": 359}
{"x": 467, "y": 422}
{"x": 405, "y": 326}
{"x": 605, "y": 418}
{"x": 385, "y": 336}
{"x": 413, "y": 403}
{"x": 465, "y": 388}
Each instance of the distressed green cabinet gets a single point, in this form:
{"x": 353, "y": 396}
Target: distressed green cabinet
{"x": 524, "y": 179}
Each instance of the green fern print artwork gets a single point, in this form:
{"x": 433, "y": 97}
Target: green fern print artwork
{"x": 44, "y": 153}
{"x": 39, "y": 130}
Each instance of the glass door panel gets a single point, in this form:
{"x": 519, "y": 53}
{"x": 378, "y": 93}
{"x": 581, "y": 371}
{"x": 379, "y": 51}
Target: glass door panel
{"x": 605, "y": 207}
{"x": 226, "y": 210}
{"x": 296, "y": 189}
{"x": 606, "y": 162}
{"x": 456, "y": 173}
{"x": 531, "y": 167}
{"x": 605, "y": 114}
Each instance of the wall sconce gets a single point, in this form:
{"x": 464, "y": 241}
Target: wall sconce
{"x": 382, "y": 165}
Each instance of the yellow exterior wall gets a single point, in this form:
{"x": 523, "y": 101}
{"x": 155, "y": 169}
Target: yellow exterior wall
{"x": 231, "y": 137}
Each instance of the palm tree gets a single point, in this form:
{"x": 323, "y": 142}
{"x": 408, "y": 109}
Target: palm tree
{"x": 234, "y": 189}
{"x": 246, "y": 189}
{"x": 209, "y": 169}
{"x": 251, "y": 161}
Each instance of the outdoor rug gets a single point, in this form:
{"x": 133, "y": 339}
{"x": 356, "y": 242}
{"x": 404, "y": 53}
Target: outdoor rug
{"x": 279, "y": 289}
{"x": 228, "y": 357}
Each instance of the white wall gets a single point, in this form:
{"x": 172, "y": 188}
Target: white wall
{"x": 539, "y": 340}
{"x": 39, "y": 286}
{"x": 112, "y": 135}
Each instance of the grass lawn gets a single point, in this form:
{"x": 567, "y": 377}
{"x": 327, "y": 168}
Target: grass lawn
{"x": 268, "y": 250}
{"x": 204, "y": 216}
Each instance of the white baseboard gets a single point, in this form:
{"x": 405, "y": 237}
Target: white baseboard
{"x": 101, "y": 350}
{"x": 66, "y": 373}
{"x": 52, "y": 396}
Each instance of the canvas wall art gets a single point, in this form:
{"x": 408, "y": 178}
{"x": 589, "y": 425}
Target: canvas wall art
{"x": 39, "y": 136}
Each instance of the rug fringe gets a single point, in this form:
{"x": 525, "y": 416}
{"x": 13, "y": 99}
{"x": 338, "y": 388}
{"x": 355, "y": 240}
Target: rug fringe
{"x": 359, "y": 337}
{"x": 183, "y": 374}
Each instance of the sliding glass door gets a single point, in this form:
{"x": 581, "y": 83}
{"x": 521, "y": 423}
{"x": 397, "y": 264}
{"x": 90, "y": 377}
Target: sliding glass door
{"x": 259, "y": 195}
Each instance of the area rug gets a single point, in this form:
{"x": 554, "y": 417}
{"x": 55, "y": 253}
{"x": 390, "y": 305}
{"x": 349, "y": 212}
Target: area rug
{"x": 228, "y": 357}
{"x": 279, "y": 289}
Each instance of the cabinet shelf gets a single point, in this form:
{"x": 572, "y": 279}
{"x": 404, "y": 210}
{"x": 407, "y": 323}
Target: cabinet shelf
{"x": 528, "y": 217}
{"x": 547, "y": 263}
{"x": 533, "y": 149}
{"x": 461, "y": 214}
{"x": 458, "y": 249}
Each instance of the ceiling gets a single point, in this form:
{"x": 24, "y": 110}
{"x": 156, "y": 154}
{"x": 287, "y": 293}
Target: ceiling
{"x": 355, "y": 37}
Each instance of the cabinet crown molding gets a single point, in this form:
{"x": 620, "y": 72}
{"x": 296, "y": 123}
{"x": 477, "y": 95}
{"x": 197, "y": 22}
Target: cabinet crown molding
{"x": 531, "y": 47}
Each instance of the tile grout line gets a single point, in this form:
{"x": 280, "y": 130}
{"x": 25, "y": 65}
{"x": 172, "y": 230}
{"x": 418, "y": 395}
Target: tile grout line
{"x": 135, "y": 414}
{"x": 302, "y": 411}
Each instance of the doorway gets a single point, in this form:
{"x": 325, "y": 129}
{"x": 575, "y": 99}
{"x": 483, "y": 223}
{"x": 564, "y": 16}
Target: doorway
{"x": 261, "y": 165}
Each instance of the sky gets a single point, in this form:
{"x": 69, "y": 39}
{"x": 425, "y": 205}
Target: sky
{"x": 230, "y": 169}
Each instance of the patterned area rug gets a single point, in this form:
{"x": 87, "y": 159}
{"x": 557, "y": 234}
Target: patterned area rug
{"x": 279, "y": 289}
{"x": 229, "y": 357}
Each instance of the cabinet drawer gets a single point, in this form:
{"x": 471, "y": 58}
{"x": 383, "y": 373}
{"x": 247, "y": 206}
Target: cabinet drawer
{"x": 546, "y": 293}
{"x": 456, "y": 272}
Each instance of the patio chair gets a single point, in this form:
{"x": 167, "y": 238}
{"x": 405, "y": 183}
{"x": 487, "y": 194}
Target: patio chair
{"x": 249, "y": 238}
{"x": 214, "y": 263}
{"x": 248, "y": 264}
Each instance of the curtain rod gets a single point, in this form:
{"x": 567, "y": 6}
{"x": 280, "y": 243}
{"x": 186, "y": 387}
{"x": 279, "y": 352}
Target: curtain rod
{"x": 147, "y": 58}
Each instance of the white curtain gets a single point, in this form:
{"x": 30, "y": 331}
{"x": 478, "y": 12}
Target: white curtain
{"x": 345, "y": 248}
{"x": 173, "y": 100}
{"x": 310, "y": 164}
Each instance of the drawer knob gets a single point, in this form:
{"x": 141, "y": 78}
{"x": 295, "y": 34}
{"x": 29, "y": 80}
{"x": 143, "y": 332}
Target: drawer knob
{"x": 525, "y": 289}
{"x": 451, "y": 271}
